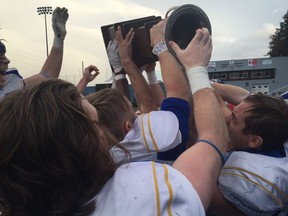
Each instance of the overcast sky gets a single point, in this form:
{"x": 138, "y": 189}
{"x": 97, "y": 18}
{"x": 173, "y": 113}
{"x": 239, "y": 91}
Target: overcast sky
{"x": 240, "y": 29}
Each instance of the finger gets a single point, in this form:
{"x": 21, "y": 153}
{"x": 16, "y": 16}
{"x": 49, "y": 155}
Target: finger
{"x": 174, "y": 46}
{"x": 162, "y": 22}
{"x": 130, "y": 35}
{"x": 210, "y": 47}
{"x": 206, "y": 35}
{"x": 119, "y": 36}
{"x": 93, "y": 68}
{"x": 207, "y": 40}
{"x": 198, "y": 35}
{"x": 196, "y": 39}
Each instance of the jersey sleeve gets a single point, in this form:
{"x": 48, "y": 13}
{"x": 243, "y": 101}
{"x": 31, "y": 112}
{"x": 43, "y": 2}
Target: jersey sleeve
{"x": 152, "y": 133}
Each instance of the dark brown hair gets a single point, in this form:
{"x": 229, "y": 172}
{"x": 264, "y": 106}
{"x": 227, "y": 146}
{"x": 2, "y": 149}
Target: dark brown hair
{"x": 53, "y": 158}
{"x": 112, "y": 110}
{"x": 2, "y": 47}
{"x": 268, "y": 118}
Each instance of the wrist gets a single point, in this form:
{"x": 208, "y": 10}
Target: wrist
{"x": 58, "y": 42}
{"x": 127, "y": 62}
{"x": 86, "y": 79}
{"x": 119, "y": 76}
{"x": 117, "y": 69}
{"x": 198, "y": 78}
{"x": 159, "y": 48}
{"x": 122, "y": 71}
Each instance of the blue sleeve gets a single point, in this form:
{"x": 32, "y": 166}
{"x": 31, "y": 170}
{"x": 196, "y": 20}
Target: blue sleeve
{"x": 181, "y": 109}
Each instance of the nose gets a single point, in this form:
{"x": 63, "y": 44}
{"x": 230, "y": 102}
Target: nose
{"x": 6, "y": 60}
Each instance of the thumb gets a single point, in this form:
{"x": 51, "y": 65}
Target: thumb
{"x": 174, "y": 46}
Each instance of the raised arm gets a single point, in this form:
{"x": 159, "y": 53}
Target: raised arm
{"x": 120, "y": 81}
{"x": 202, "y": 162}
{"x": 89, "y": 75}
{"x": 52, "y": 65}
{"x": 141, "y": 88}
{"x": 175, "y": 86}
{"x": 157, "y": 91}
{"x": 230, "y": 93}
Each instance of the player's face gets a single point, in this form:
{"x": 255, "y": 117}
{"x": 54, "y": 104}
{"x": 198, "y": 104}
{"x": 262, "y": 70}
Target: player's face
{"x": 235, "y": 122}
{"x": 4, "y": 62}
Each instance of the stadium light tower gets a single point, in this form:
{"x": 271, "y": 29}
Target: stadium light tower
{"x": 45, "y": 10}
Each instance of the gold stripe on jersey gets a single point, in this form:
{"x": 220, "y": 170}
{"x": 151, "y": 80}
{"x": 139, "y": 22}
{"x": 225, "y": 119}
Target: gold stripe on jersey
{"x": 143, "y": 133}
{"x": 169, "y": 189}
{"x": 260, "y": 177}
{"x": 156, "y": 189}
{"x": 259, "y": 185}
{"x": 151, "y": 134}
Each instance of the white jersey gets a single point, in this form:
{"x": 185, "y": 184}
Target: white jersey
{"x": 153, "y": 132}
{"x": 256, "y": 184}
{"x": 148, "y": 188}
{"x": 13, "y": 82}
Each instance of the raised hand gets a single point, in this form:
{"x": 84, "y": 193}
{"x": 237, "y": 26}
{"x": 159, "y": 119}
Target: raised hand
{"x": 113, "y": 55}
{"x": 125, "y": 45}
{"x": 90, "y": 73}
{"x": 198, "y": 52}
{"x": 59, "y": 18}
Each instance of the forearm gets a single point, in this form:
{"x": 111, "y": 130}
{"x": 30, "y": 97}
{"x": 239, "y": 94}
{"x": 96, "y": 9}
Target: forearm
{"x": 158, "y": 94}
{"x": 50, "y": 69}
{"x": 157, "y": 91}
{"x": 123, "y": 86}
{"x": 223, "y": 104}
{"x": 230, "y": 93}
{"x": 175, "y": 85}
{"x": 82, "y": 85}
{"x": 52, "y": 65}
{"x": 193, "y": 163}
{"x": 211, "y": 130}
{"x": 141, "y": 88}
{"x": 210, "y": 126}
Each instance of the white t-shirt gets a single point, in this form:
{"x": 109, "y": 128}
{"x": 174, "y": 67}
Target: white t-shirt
{"x": 148, "y": 188}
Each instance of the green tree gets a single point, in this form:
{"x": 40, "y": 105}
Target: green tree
{"x": 279, "y": 41}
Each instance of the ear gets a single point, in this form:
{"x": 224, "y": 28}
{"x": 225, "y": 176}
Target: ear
{"x": 127, "y": 126}
{"x": 255, "y": 142}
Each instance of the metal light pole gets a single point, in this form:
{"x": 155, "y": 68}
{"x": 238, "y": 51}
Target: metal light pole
{"x": 45, "y": 10}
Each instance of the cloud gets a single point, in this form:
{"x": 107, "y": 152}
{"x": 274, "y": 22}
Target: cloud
{"x": 254, "y": 45}
{"x": 239, "y": 31}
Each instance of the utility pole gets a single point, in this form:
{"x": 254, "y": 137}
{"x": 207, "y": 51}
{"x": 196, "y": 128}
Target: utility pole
{"x": 45, "y": 10}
